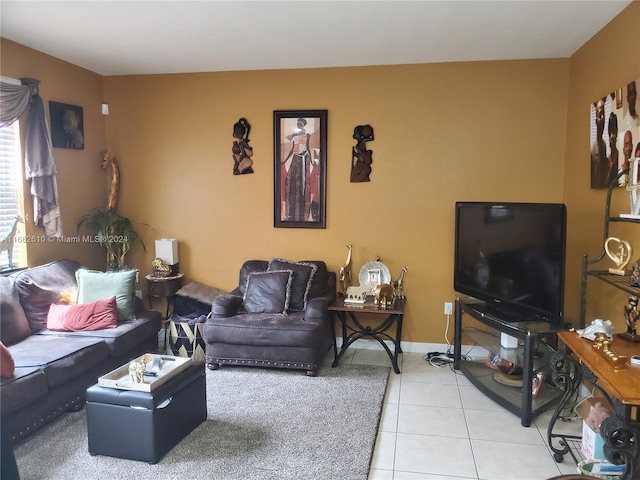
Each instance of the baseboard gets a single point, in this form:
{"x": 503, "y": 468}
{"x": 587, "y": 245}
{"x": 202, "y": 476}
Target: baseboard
{"x": 472, "y": 352}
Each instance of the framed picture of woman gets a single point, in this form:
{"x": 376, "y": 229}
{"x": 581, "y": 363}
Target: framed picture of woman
{"x": 300, "y": 168}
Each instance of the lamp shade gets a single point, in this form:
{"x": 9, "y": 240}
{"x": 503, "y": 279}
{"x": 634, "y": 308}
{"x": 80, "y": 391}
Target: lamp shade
{"x": 167, "y": 250}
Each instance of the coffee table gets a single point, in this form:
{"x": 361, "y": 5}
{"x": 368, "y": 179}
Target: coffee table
{"x": 145, "y": 425}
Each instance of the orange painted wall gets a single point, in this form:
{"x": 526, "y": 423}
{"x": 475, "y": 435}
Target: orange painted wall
{"x": 443, "y": 132}
{"x": 609, "y": 60}
{"x": 514, "y": 131}
{"x": 81, "y": 183}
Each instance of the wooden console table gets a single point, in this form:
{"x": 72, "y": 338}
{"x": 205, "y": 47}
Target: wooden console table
{"x": 352, "y": 331}
{"x": 621, "y": 433}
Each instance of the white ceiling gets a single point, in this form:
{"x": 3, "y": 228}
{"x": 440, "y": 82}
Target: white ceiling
{"x": 148, "y": 37}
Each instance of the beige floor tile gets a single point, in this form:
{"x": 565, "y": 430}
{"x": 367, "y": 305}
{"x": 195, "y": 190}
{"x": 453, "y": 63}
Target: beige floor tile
{"x": 500, "y": 426}
{"x": 389, "y": 418}
{"x": 439, "y": 421}
{"x": 474, "y": 399}
{"x": 512, "y": 461}
{"x": 430, "y": 394}
{"x": 434, "y": 455}
{"x": 425, "y": 373}
{"x": 393, "y": 389}
{"x": 383, "y": 457}
{"x": 378, "y": 474}
{"x": 426, "y": 476}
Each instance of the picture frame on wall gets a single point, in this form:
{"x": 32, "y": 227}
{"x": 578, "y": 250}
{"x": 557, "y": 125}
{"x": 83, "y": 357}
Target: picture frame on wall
{"x": 300, "y": 168}
{"x": 67, "y": 126}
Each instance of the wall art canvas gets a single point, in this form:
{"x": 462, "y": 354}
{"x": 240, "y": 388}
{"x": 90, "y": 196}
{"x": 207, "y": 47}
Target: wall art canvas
{"x": 300, "y": 168}
{"x": 615, "y": 135}
{"x": 67, "y": 126}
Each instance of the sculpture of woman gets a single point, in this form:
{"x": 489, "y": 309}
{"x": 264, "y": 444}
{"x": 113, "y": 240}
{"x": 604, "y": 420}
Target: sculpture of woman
{"x": 361, "y": 157}
{"x": 241, "y": 150}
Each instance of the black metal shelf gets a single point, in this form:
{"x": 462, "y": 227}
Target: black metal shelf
{"x": 533, "y": 354}
{"x": 621, "y": 282}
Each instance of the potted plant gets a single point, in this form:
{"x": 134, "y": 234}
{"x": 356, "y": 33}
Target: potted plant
{"x": 114, "y": 232}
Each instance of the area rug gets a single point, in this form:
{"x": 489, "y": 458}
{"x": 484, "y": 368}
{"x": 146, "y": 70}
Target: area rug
{"x": 261, "y": 424}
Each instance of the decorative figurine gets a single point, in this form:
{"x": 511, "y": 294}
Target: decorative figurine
{"x": 357, "y": 294}
{"x": 383, "y": 296}
{"x": 635, "y": 274}
{"x": 398, "y": 285}
{"x": 631, "y": 315}
{"x": 108, "y": 159}
{"x": 160, "y": 268}
{"x": 136, "y": 370}
{"x": 602, "y": 344}
{"x": 345, "y": 274}
{"x": 621, "y": 258}
{"x": 241, "y": 150}
{"x": 361, "y": 157}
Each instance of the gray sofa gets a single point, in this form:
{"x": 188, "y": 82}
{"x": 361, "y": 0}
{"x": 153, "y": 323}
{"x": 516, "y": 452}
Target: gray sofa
{"x": 250, "y": 327}
{"x": 54, "y": 369}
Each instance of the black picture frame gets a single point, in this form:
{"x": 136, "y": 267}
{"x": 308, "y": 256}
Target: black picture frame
{"x": 67, "y": 126}
{"x": 300, "y": 168}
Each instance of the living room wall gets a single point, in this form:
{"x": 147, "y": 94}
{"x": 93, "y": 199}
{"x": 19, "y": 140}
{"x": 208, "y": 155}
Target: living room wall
{"x": 81, "y": 183}
{"x": 443, "y": 132}
{"x": 608, "y": 61}
{"x": 512, "y": 131}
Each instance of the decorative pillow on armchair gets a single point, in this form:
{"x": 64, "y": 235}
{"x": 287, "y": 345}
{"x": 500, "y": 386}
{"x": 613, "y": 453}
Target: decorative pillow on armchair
{"x": 87, "y": 316}
{"x": 268, "y": 292}
{"x": 94, "y": 285}
{"x": 302, "y": 275}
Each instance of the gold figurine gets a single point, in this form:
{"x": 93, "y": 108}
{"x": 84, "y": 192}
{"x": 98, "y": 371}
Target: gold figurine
{"x": 345, "y": 274}
{"x": 602, "y": 344}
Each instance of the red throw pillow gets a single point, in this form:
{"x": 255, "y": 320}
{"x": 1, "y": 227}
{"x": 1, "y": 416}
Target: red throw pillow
{"x": 86, "y": 316}
{"x": 7, "y": 365}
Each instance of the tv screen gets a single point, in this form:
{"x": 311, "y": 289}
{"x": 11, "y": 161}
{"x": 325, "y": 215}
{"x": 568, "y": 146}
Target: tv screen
{"x": 512, "y": 256}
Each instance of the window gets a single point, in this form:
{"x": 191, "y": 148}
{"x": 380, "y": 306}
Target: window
{"x": 11, "y": 216}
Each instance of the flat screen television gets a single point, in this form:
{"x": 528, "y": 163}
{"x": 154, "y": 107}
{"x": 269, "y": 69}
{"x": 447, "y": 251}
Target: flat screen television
{"x": 511, "y": 256}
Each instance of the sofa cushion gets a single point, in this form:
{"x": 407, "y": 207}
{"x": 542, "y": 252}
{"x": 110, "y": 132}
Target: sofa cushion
{"x": 94, "y": 285}
{"x": 268, "y": 292}
{"x": 129, "y": 334}
{"x": 14, "y": 325}
{"x": 27, "y": 385}
{"x": 43, "y": 285}
{"x": 87, "y": 316}
{"x": 7, "y": 365}
{"x": 300, "y": 284}
{"x": 61, "y": 357}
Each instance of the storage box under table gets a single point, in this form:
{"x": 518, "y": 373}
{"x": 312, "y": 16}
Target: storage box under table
{"x": 145, "y": 425}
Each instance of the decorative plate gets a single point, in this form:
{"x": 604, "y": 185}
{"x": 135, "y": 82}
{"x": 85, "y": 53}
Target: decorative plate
{"x": 374, "y": 271}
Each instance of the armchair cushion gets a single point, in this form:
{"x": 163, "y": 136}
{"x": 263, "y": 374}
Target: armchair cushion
{"x": 268, "y": 292}
{"x": 301, "y": 282}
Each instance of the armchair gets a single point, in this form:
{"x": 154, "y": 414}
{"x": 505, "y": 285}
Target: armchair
{"x": 277, "y": 317}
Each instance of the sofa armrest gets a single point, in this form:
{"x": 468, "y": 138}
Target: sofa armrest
{"x": 316, "y": 309}
{"x": 226, "y": 305}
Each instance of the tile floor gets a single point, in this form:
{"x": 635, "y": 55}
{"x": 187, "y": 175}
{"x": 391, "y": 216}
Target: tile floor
{"x": 436, "y": 425}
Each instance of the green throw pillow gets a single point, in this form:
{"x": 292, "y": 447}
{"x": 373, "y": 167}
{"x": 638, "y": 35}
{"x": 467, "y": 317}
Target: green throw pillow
{"x": 94, "y": 285}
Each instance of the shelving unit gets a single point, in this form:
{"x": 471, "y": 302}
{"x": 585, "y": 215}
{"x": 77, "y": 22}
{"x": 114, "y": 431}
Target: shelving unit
{"x": 533, "y": 354}
{"x": 621, "y": 282}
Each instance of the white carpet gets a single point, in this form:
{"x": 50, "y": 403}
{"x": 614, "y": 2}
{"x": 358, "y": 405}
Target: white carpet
{"x": 262, "y": 424}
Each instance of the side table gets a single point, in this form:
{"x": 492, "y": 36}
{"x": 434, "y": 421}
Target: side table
{"x": 164, "y": 287}
{"x": 352, "y": 331}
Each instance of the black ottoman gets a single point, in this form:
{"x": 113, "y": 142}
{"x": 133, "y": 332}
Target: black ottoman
{"x": 145, "y": 426}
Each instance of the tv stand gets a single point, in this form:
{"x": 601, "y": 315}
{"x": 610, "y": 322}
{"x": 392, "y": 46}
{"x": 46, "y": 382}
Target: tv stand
{"x": 536, "y": 341}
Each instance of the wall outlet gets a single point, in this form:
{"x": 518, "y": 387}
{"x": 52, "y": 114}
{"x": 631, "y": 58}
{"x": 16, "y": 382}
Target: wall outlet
{"x": 448, "y": 308}
{"x": 139, "y": 294}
